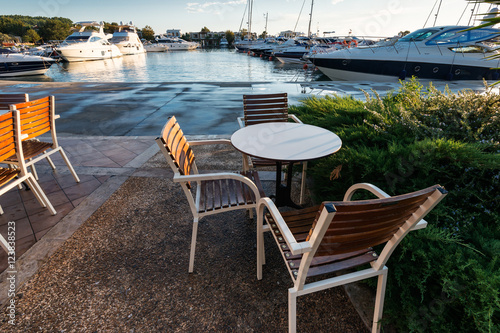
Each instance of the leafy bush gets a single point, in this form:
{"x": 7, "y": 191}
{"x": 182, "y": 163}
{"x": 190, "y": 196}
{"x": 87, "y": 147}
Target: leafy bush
{"x": 447, "y": 277}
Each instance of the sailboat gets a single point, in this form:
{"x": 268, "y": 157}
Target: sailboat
{"x": 247, "y": 42}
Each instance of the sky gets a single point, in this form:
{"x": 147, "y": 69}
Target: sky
{"x": 362, "y": 17}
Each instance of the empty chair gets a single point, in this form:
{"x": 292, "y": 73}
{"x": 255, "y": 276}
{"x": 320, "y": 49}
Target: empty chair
{"x": 37, "y": 118}
{"x": 325, "y": 241}
{"x": 265, "y": 108}
{"x": 214, "y": 193}
{"x": 10, "y": 144}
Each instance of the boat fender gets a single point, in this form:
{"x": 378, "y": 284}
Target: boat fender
{"x": 270, "y": 58}
{"x": 449, "y": 76}
{"x": 496, "y": 75}
{"x": 402, "y": 75}
{"x": 305, "y": 66}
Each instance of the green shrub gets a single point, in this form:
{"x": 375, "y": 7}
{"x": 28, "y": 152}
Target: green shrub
{"x": 447, "y": 277}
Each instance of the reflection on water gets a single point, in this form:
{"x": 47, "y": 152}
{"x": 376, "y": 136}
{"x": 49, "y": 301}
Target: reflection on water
{"x": 193, "y": 66}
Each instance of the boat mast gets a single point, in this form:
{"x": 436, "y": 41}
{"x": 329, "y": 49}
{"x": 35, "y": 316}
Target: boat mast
{"x": 310, "y": 19}
{"x": 437, "y": 13}
{"x": 250, "y": 9}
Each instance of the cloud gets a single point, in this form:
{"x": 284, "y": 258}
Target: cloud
{"x": 334, "y": 2}
{"x": 215, "y": 7}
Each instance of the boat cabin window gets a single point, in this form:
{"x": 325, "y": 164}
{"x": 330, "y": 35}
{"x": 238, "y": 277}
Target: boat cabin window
{"x": 458, "y": 36}
{"x": 95, "y": 39}
{"x": 76, "y": 39}
{"x": 472, "y": 49}
{"x": 418, "y": 35}
{"x": 117, "y": 39}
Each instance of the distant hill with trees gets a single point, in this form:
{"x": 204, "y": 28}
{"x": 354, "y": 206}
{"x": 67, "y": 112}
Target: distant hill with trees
{"x": 34, "y": 29}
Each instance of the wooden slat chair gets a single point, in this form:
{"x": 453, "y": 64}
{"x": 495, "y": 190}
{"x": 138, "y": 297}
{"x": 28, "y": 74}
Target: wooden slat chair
{"x": 37, "y": 118}
{"x": 265, "y": 108}
{"x": 215, "y": 192}
{"x": 7, "y": 99}
{"x": 10, "y": 144}
{"x": 339, "y": 236}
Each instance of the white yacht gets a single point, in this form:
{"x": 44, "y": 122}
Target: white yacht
{"x": 176, "y": 44}
{"x": 88, "y": 44}
{"x": 19, "y": 64}
{"x": 439, "y": 53}
{"x": 155, "y": 47}
{"x": 127, "y": 40}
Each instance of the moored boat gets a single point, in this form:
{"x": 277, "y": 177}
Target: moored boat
{"x": 127, "y": 40}
{"x": 176, "y": 44}
{"x": 18, "y": 64}
{"x": 439, "y": 53}
{"x": 86, "y": 44}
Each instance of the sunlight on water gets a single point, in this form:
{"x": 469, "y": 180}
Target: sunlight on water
{"x": 192, "y": 66}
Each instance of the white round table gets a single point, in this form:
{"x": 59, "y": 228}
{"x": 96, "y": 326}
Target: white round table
{"x": 285, "y": 142}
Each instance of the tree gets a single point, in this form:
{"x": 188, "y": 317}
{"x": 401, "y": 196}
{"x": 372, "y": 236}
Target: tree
{"x": 55, "y": 29}
{"x": 186, "y": 36}
{"x": 148, "y": 33}
{"x": 31, "y": 36}
{"x": 230, "y": 37}
{"x": 205, "y": 30}
{"x": 110, "y": 27}
{"x": 403, "y": 33}
{"x": 263, "y": 35}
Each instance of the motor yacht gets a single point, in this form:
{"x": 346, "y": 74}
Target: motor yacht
{"x": 19, "y": 64}
{"x": 155, "y": 47}
{"x": 439, "y": 53}
{"x": 176, "y": 44}
{"x": 86, "y": 44}
{"x": 127, "y": 40}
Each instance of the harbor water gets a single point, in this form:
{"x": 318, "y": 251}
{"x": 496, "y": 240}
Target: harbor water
{"x": 206, "y": 65}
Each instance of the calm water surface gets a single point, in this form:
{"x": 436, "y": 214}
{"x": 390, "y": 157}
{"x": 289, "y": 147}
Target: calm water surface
{"x": 190, "y": 66}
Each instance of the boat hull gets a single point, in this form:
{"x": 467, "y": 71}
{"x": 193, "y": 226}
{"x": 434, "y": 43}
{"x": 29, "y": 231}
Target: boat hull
{"x": 382, "y": 70}
{"x": 22, "y": 67}
{"x": 88, "y": 54}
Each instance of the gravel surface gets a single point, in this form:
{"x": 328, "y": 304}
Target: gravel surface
{"x": 126, "y": 270}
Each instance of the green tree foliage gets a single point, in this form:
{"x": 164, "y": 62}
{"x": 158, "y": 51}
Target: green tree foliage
{"x": 186, "y": 36}
{"x": 109, "y": 28}
{"x": 263, "y": 35}
{"x": 229, "y": 36}
{"x": 31, "y": 36}
{"x": 204, "y": 30}
{"x": 46, "y": 28}
{"x": 55, "y": 29}
{"x": 445, "y": 278}
{"x": 148, "y": 33}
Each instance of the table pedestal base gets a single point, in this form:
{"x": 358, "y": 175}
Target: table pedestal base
{"x": 283, "y": 192}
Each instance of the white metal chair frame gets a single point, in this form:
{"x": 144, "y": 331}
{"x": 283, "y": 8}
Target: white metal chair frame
{"x": 55, "y": 145}
{"x": 309, "y": 248}
{"x": 24, "y": 175}
{"x": 194, "y": 200}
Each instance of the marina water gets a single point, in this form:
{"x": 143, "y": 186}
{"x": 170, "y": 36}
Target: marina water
{"x": 206, "y": 65}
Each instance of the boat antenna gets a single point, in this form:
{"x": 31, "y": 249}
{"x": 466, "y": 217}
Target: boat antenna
{"x": 300, "y": 13}
{"x": 437, "y": 13}
{"x": 250, "y": 10}
{"x": 430, "y": 14}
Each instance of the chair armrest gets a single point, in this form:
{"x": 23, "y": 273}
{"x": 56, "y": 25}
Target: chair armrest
{"x": 294, "y": 246}
{"x": 178, "y": 178}
{"x": 240, "y": 122}
{"x": 365, "y": 186}
{"x": 209, "y": 142}
{"x": 294, "y": 118}
{"x": 422, "y": 224}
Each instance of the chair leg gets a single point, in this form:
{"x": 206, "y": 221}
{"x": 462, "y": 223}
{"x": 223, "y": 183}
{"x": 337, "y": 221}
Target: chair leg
{"x": 303, "y": 183}
{"x": 68, "y": 163}
{"x": 52, "y": 165}
{"x": 1, "y": 210}
{"x": 33, "y": 171}
{"x": 379, "y": 301}
{"x": 40, "y": 195}
{"x": 292, "y": 310}
{"x": 260, "y": 246}
{"x": 193, "y": 245}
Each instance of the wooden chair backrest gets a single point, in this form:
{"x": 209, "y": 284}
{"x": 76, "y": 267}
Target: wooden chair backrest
{"x": 265, "y": 108}
{"x": 36, "y": 116}
{"x": 178, "y": 147}
{"x": 7, "y": 138}
{"x": 359, "y": 225}
{"x": 8, "y": 99}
